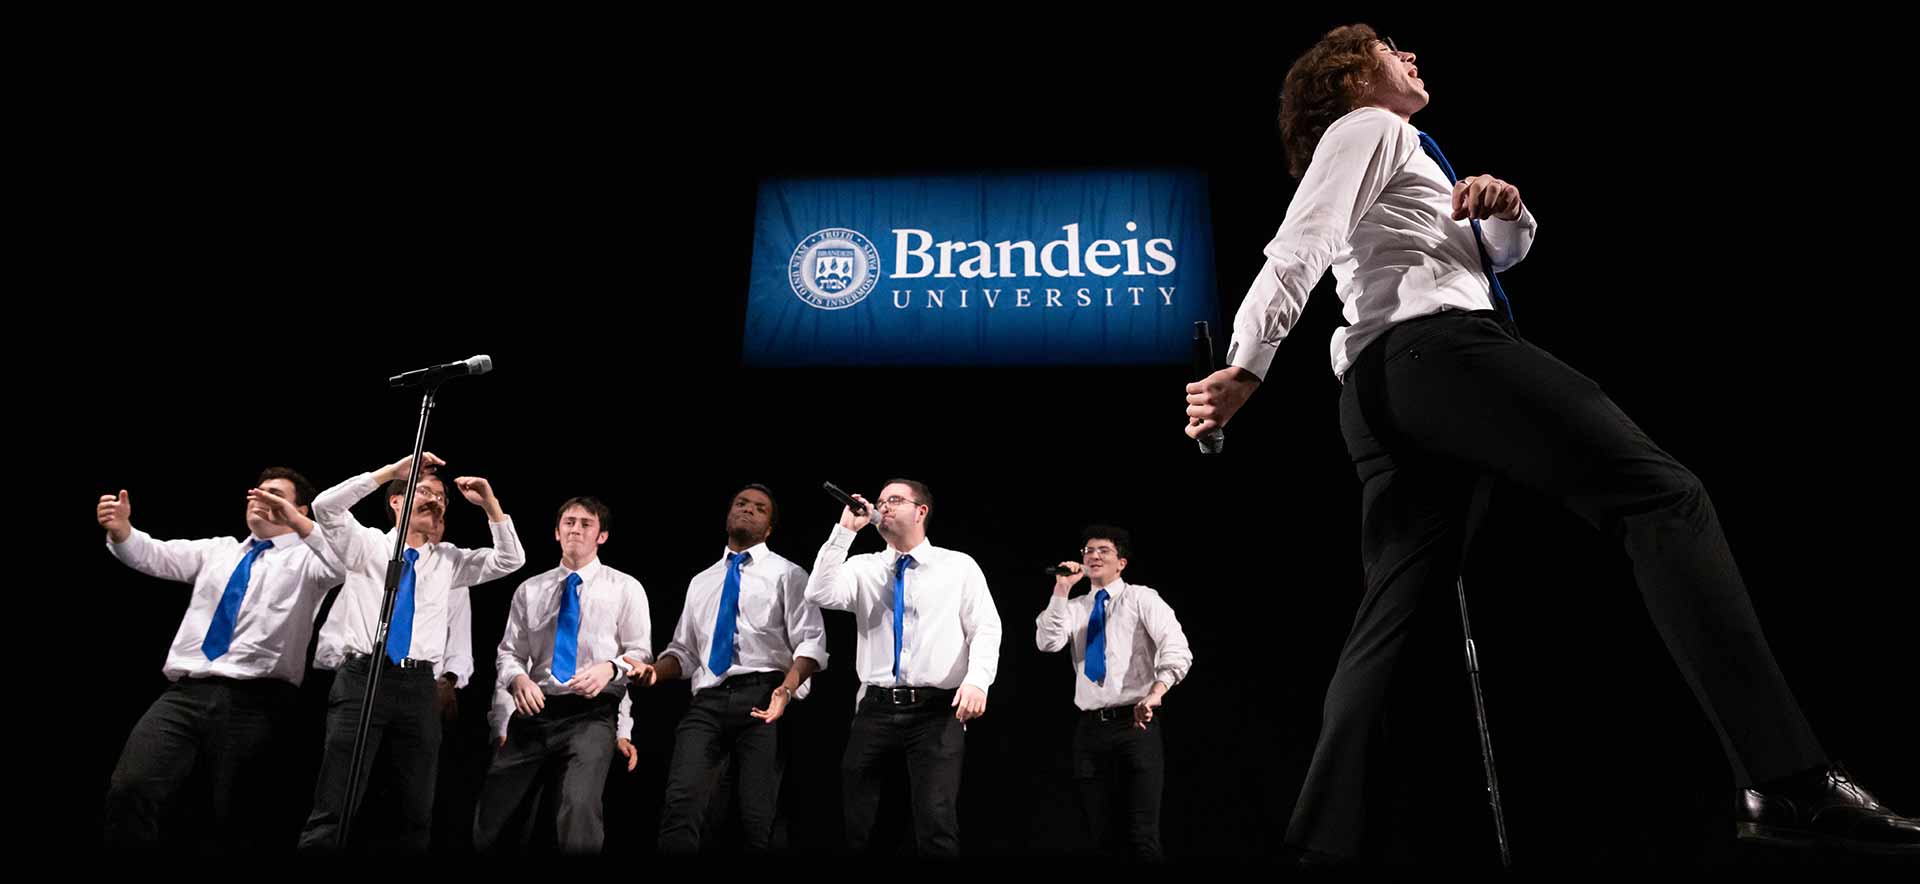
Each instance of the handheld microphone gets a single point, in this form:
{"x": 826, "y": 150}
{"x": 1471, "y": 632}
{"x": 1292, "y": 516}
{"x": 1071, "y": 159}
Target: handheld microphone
{"x": 846, "y": 500}
{"x": 1212, "y": 440}
{"x": 425, "y": 376}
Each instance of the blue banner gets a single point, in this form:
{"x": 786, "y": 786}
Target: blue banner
{"x": 1009, "y": 269}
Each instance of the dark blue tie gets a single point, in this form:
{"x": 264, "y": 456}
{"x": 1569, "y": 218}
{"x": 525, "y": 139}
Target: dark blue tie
{"x": 1097, "y": 639}
{"x": 566, "y": 630}
{"x": 400, "y": 631}
{"x": 1493, "y": 281}
{"x": 720, "y": 655}
{"x": 220, "y": 631}
{"x": 899, "y": 609}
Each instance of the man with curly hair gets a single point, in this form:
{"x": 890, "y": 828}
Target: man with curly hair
{"x": 1439, "y": 391}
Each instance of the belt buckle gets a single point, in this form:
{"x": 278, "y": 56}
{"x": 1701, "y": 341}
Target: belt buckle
{"x": 1109, "y": 713}
{"x": 894, "y": 696}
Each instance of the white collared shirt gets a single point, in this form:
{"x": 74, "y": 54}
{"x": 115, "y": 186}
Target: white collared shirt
{"x": 459, "y": 658}
{"x": 1377, "y": 209}
{"x": 1144, "y": 643}
{"x": 614, "y": 622}
{"x": 774, "y": 626}
{"x": 364, "y": 552}
{"x": 284, "y": 586}
{"x": 952, "y": 630}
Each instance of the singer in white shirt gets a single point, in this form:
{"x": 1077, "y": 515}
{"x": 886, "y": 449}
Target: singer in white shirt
{"x": 923, "y": 674}
{"x": 1119, "y": 755}
{"x": 234, "y": 667}
{"x": 404, "y": 719}
{"x": 575, "y": 636}
{"x": 745, "y": 670}
{"x": 1439, "y": 391}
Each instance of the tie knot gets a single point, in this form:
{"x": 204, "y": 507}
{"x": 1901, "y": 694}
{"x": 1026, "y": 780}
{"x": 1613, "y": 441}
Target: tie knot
{"x": 903, "y": 564}
{"x": 573, "y": 580}
{"x": 413, "y": 555}
{"x": 739, "y": 558}
{"x": 261, "y": 545}
{"x": 1101, "y": 596}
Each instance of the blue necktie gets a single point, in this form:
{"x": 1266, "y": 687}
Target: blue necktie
{"x": 1097, "y": 639}
{"x": 220, "y": 631}
{"x": 400, "y": 631}
{"x": 899, "y": 609}
{"x": 1499, "y": 294}
{"x": 566, "y": 630}
{"x": 720, "y": 656}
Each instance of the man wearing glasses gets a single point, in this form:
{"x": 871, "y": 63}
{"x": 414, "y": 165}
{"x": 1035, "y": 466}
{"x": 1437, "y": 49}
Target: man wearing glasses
{"x": 1439, "y": 390}
{"x": 1128, "y": 651}
{"x": 404, "y": 717}
{"x": 928, "y": 648}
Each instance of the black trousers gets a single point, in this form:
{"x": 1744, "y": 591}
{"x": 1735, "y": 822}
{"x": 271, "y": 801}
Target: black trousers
{"x": 925, "y": 731}
{"x": 1120, "y": 771}
{"x": 564, "y": 752}
{"x": 224, "y": 730}
{"x": 403, "y": 735}
{"x": 1430, "y": 406}
{"x": 718, "y": 731}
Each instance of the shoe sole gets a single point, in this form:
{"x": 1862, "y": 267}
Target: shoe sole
{"x": 1785, "y": 837}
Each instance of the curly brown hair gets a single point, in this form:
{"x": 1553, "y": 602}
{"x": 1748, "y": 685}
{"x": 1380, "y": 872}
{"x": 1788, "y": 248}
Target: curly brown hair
{"x": 1323, "y": 85}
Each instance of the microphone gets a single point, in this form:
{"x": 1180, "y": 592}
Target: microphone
{"x": 1212, "y": 440}
{"x": 846, "y": 500}
{"x": 425, "y": 376}
{"x": 1058, "y": 571}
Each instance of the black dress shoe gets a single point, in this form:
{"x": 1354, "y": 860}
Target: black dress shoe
{"x": 1827, "y": 809}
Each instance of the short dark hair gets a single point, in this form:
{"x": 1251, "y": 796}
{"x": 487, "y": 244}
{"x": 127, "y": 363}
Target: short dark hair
{"x": 921, "y": 494}
{"x": 600, "y": 511}
{"x": 1121, "y": 537}
{"x": 303, "y": 490}
{"x": 773, "y": 503}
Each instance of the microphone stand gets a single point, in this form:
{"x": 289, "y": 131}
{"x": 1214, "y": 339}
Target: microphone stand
{"x": 377, "y": 661}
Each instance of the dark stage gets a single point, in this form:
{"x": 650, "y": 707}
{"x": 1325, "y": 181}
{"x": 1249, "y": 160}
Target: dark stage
{"x": 282, "y": 242}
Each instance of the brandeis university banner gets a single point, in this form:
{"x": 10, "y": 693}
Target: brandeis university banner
{"x": 1005, "y": 269}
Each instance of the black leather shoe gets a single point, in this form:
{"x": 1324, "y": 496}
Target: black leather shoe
{"x": 1828, "y": 810}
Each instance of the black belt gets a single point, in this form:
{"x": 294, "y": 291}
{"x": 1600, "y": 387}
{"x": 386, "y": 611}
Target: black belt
{"x": 265, "y": 682}
{"x": 907, "y": 696}
{"x": 573, "y": 704}
{"x": 752, "y": 679}
{"x": 1109, "y": 714}
{"x": 405, "y": 662}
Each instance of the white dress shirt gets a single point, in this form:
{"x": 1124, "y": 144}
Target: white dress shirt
{"x": 270, "y": 634}
{"x": 459, "y": 658}
{"x": 775, "y": 622}
{"x": 952, "y": 634}
{"x": 365, "y": 551}
{"x": 614, "y": 622}
{"x": 1376, "y": 208}
{"x": 1144, "y": 643}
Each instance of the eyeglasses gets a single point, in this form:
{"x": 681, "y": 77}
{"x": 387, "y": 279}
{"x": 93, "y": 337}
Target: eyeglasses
{"x": 892, "y": 502}
{"x": 1091, "y": 551}
{"x": 1388, "y": 42}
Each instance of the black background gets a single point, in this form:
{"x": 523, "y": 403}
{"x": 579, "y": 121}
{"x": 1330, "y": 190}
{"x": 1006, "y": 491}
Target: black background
{"x": 262, "y": 232}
